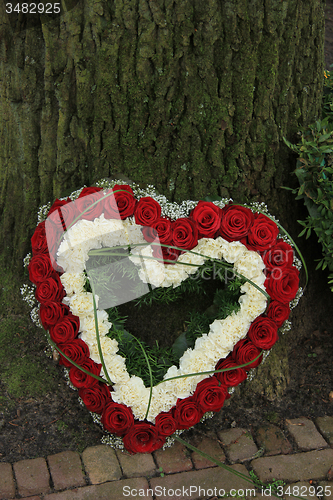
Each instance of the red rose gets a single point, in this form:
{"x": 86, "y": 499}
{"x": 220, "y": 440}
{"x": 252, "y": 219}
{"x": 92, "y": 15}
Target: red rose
{"x": 117, "y": 418}
{"x": 40, "y": 268}
{"x": 81, "y": 379}
{"x": 187, "y": 413}
{"x": 185, "y": 234}
{"x": 282, "y": 284}
{"x": 38, "y": 240}
{"x": 89, "y": 190}
{"x": 170, "y": 254}
{"x": 263, "y": 333}
{"x": 142, "y": 438}
{"x": 77, "y": 350}
{"x": 165, "y": 423}
{"x": 262, "y": 234}
{"x": 96, "y": 398}
{"x": 90, "y": 206}
{"x": 244, "y": 351}
{"x": 207, "y": 217}
{"x": 278, "y": 312}
{"x": 121, "y": 204}
{"x": 65, "y": 330}
{"x": 230, "y": 378}
{"x": 210, "y": 394}
{"x": 50, "y": 289}
{"x": 57, "y": 204}
{"x": 280, "y": 255}
{"x": 236, "y": 222}
{"x": 147, "y": 211}
{"x": 51, "y": 312}
{"x": 162, "y": 229}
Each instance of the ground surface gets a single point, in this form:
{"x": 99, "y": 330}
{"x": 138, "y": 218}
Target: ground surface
{"x": 32, "y": 426}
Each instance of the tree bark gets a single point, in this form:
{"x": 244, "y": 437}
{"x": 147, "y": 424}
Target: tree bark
{"x": 191, "y": 96}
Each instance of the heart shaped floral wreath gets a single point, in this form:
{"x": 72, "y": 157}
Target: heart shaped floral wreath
{"x": 167, "y": 243}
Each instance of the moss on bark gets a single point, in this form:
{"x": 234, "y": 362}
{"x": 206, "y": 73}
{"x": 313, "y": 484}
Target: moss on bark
{"x": 193, "y": 97}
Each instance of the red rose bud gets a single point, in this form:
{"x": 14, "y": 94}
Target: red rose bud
{"x": 142, "y": 438}
{"x": 187, "y": 413}
{"x": 244, "y": 351}
{"x": 96, "y": 398}
{"x": 51, "y": 312}
{"x": 163, "y": 227}
{"x": 280, "y": 255}
{"x": 117, "y": 418}
{"x": 207, "y": 217}
{"x": 77, "y": 350}
{"x": 65, "y": 330}
{"x": 147, "y": 211}
{"x": 165, "y": 424}
{"x": 282, "y": 284}
{"x": 262, "y": 234}
{"x": 210, "y": 394}
{"x": 40, "y": 268}
{"x": 81, "y": 379}
{"x": 90, "y": 206}
{"x": 278, "y": 312}
{"x": 89, "y": 190}
{"x": 121, "y": 204}
{"x": 236, "y": 222}
{"x": 50, "y": 289}
{"x": 263, "y": 333}
{"x": 38, "y": 240}
{"x": 230, "y": 378}
{"x": 184, "y": 234}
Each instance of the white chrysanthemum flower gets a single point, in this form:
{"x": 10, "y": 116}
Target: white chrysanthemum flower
{"x": 73, "y": 282}
{"x": 231, "y": 251}
{"x": 87, "y": 323}
{"x": 81, "y": 304}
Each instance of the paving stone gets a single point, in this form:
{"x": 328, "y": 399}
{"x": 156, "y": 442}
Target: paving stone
{"x": 201, "y": 484}
{"x": 272, "y": 440}
{"x": 7, "y": 485}
{"x": 299, "y": 467}
{"x": 327, "y": 490}
{"x": 173, "y": 459}
{"x": 325, "y": 425}
{"x": 32, "y": 498}
{"x": 209, "y": 446}
{"x": 101, "y": 464}
{"x": 141, "y": 464}
{"x": 301, "y": 489}
{"x": 239, "y": 444}
{"x": 115, "y": 490}
{"x": 305, "y": 434}
{"x": 32, "y": 477}
{"x": 66, "y": 470}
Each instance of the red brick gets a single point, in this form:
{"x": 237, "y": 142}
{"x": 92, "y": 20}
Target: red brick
{"x": 299, "y": 467}
{"x": 209, "y": 446}
{"x": 32, "y": 477}
{"x": 101, "y": 464}
{"x": 214, "y": 481}
{"x": 66, "y": 470}
{"x": 305, "y": 434}
{"x": 238, "y": 443}
{"x": 141, "y": 464}
{"x": 271, "y": 439}
{"x": 173, "y": 459}
{"x": 113, "y": 490}
{"x": 7, "y": 485}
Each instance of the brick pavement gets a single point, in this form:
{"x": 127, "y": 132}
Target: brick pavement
{"x": 301, "y": 454}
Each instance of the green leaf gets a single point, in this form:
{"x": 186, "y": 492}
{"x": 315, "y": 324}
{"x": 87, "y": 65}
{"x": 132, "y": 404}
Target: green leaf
{"x": 308, "y": 233}
{"x": 302, "y": 232}
{"x": 180, "y": 345}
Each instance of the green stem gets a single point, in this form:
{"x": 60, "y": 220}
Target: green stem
{"x": 97, "y": 337}
{"x": 54, "y": 345}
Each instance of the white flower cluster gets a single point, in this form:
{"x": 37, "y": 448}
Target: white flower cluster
{"x": 208, "y": 349}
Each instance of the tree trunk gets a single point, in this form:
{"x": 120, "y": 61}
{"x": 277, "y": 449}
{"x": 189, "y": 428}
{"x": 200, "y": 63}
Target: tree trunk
{"x": 191, "y": 96}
